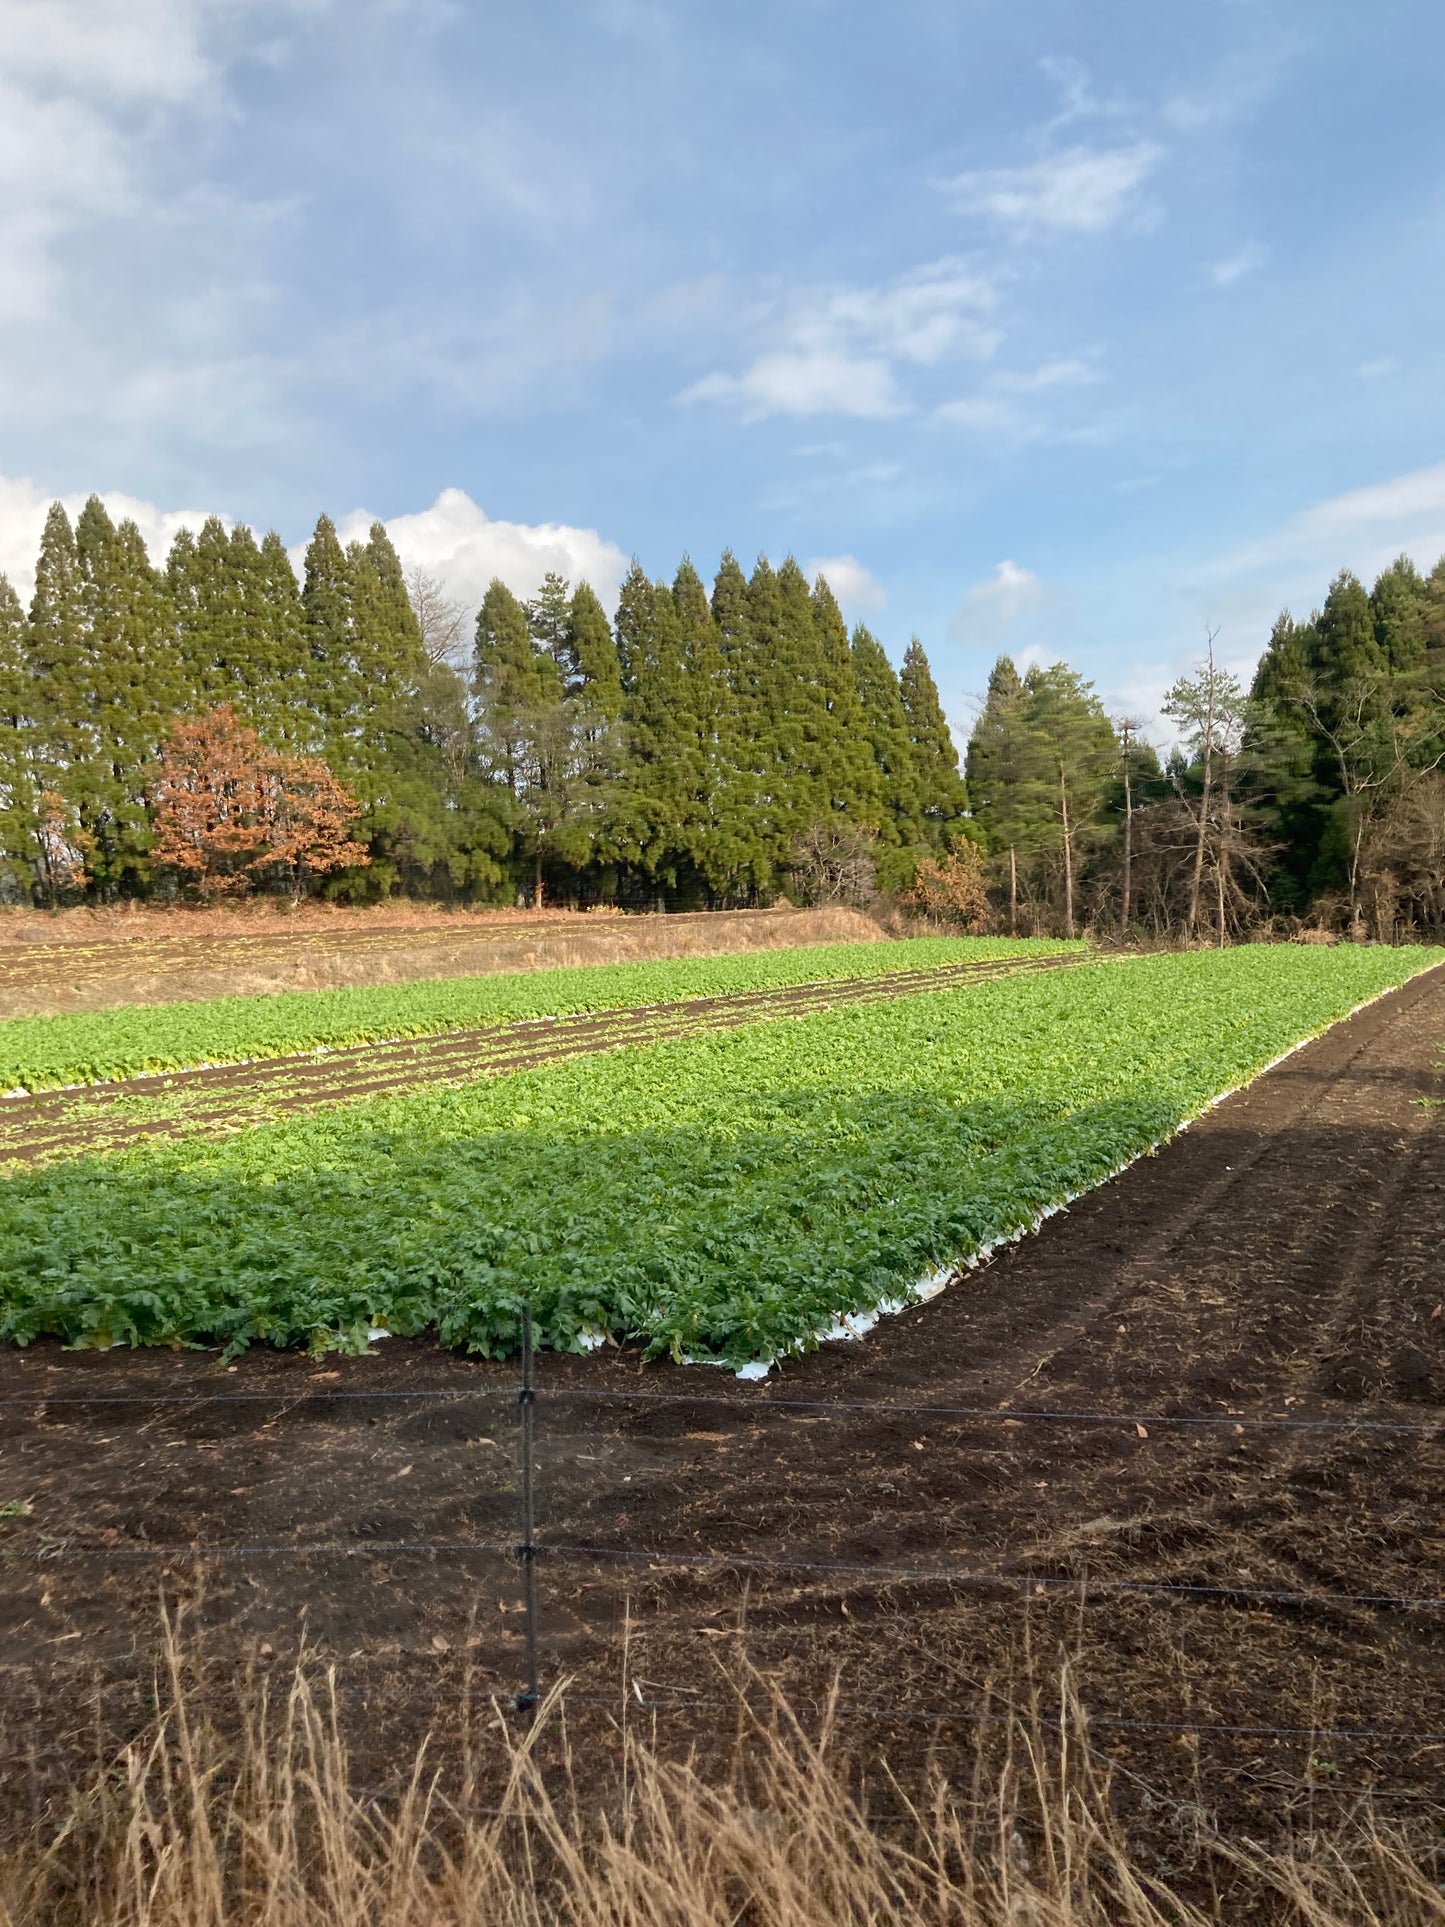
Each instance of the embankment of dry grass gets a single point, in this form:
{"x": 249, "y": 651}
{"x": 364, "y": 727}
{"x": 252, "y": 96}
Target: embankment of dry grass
{"x": 99, "y": 960}
{"x": 780, "y": 1828}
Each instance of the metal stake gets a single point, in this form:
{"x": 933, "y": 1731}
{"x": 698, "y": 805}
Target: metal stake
{"x": 527, "y": 1551}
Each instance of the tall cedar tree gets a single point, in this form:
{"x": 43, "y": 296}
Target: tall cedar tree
{"x": 592, "y": 666}
{"x": 654, "y": 817}
{"x": 64, "y": 735}
{"x": 885, "y": 729}
{"x": 708, "y": 841}
{"x": 740, "y": 844}
{"x": 854, "y": 782}
{"x": 942, "y": 791}
{"x": 130, "y": 689}
{"x": 18, "y": 799}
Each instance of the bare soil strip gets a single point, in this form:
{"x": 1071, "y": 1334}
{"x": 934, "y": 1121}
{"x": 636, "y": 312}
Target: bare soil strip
{"x": 213, "y": 1103}
{"x": 48, "y": 966}
{"x": 1282, "y": 1258}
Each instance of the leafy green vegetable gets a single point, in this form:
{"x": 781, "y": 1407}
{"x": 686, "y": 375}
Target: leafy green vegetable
{"x": 47, "y": 1053}
{"x": 722, "y": 1196}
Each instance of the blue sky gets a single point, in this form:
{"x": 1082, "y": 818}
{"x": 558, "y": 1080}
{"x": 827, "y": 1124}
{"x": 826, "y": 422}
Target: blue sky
{"x": 1067, "y": 328}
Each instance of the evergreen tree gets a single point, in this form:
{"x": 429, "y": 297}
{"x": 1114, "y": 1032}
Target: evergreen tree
{"x": 654, "y": 816}
{"x": 1009, "y": 781}
{"x": 281, "y": 708}
{"x": 328, "y": 686}
{"x": 549, "y": 616}
{"x": 129, "y": 692}
{"x": 18, "y": 797}
{"x": 1077, "y": 742}
{"x": 847, "y": 766}
{"x": 591, "y": 659}
{"x": 942, "y": 792}
{"x": 64, "y": 736}
{"x": 885, "y": 729}
{"x": 1399, "y": 605}
{"x": 709, "y": 836}
{"x": 740, "y": 840}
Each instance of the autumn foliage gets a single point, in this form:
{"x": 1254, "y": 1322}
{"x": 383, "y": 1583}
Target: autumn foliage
{"x": 232, "y": 816}
{"x": 955, "y": 889}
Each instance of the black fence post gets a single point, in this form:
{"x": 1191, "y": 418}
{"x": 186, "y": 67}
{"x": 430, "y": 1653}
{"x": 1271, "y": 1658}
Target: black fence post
{"x": 527, "y": 1551}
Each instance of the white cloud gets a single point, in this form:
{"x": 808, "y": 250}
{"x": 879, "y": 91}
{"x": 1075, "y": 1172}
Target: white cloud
{"x": 457, "y": 541}
{"x": 1000, "y": 410}
{"x": 1361, "y": 529}
{"x": 992, "y": 608}
{"x": 23, "y": 507}
{"x": 1225, "y": 273}
{"x": 1082, "y": 190}
{"x": 1240, "y": 83}
{"x": 453, "y": 539}
{"x": 77, "y": 74}
{"x": 840, "y": 350}
{"x": 816, "y": 382}
{"x": 1372, "y": 370}
{"x": 856, "y": 588}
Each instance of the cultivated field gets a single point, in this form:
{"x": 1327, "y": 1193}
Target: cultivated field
{"x": 1188, "y": 1434}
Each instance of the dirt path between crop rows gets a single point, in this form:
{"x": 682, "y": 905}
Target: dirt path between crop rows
{"x": 1281, "y": 1258}
{"x": 216, "y": 1102}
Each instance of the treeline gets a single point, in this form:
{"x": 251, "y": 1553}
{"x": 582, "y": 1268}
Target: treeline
{"x": 1316, "y": 794}
{"x": 218, "y": 725}
{"x": 704, "y": 749}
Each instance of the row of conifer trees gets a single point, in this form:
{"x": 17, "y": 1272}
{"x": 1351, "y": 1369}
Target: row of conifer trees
{"x": 681, "y": 751}
{"x": 702, "y": 747}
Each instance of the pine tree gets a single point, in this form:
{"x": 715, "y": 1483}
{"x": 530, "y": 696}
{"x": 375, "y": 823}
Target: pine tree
{"x": 942, "y": 791}
{"x": 549, "y": 616}
{"x": 1399, "y": 604}
{"x": 1077, "y": 741}
{"x": 1008, "y": 777}
{"x": 18, "y": 797}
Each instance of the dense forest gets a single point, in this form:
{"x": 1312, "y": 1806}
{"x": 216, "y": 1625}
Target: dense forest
{"x": 216, "y": 726}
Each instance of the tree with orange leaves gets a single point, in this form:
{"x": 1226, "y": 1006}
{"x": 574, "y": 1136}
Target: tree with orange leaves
{"x": 231, "y": 816}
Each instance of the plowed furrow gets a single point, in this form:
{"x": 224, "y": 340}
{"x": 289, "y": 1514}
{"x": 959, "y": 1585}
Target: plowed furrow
{"x": 217, "y": 1101}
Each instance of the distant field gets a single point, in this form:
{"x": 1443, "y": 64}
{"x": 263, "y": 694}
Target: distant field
{"x": 48, "y": 1053}
{"x": 77, "y": 960}
{"x": 722, "y": 1196}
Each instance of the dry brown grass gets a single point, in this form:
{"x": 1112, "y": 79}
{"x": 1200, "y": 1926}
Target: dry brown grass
{"x": 188, "y": 1828}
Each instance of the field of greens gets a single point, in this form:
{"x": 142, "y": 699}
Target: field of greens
{"x": 719, "y": 1197}
{"x": 49, "y": 1053}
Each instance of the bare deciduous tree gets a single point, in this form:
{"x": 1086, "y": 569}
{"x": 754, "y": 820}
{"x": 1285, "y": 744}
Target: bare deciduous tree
{"x": 438, "y": 617}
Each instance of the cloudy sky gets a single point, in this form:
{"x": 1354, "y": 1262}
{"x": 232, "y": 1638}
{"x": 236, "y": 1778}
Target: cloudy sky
{"x": 1071, "y": 328}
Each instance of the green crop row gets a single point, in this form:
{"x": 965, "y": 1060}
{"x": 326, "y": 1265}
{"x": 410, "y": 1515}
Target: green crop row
{"x": 720, "y": 1197}
{"x": 50, "y": 1053}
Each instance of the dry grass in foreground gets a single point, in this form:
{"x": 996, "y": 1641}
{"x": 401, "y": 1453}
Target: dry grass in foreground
{"x": 191, "y": 1829}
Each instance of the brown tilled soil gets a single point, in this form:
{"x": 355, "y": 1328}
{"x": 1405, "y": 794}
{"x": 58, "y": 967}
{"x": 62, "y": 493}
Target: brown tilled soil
{"x": 97, "y": 960}
{"x": 1279, "y": 1260}
{"x": 214, "y": 1102}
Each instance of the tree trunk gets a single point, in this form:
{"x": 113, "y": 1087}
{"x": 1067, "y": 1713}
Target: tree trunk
{"x": 1197, "y": 879}
{"x": 1013, "y": 891}
{"x": 1219, "y": 897}
{"x": 537, "y": 890}
{"x": 1068, "y": 854}
{"x": 1128, "y": 849}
